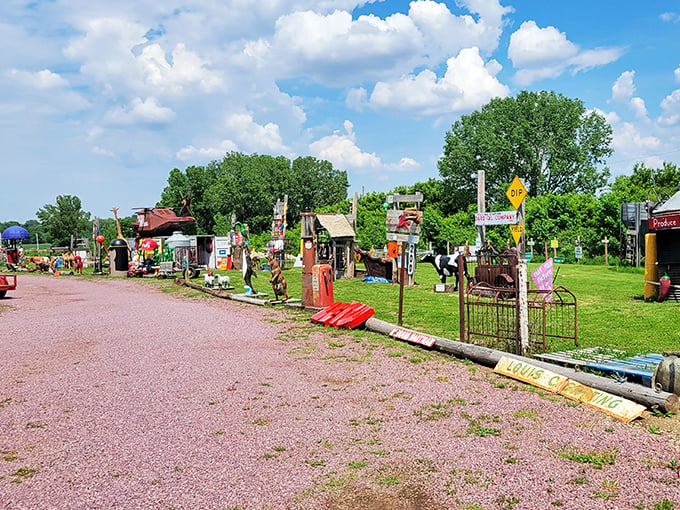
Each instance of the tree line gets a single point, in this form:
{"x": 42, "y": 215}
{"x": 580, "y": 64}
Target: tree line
{"x": 551, "y": 141}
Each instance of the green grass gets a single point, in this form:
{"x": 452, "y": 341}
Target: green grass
{"x": 611, "y": 311}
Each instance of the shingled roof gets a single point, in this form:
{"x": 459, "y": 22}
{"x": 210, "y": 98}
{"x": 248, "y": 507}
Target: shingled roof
{"x": 336, "y": 225}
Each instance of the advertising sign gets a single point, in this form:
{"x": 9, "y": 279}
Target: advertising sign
{"x": 543, "y": 277}
{"x": 671, "y": 221}
{"x": 496, "y": 218}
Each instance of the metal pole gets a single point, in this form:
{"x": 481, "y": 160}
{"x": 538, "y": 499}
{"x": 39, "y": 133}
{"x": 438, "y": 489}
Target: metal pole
{"x": 402, "y": 276}
{"x": 461, "y": 296}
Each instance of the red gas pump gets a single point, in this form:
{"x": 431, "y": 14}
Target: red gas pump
{"x": 322, "y": 285}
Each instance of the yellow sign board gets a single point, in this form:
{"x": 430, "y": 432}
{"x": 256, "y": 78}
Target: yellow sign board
{"x": 618, "y": 407}
{"x": 516, "y": 192}
{"x": 517, "y": 231}
{"x": 554, "y": 243}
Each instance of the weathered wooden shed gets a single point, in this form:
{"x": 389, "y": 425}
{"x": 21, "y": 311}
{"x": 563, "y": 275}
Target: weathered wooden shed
{"x": 335, "y": 243}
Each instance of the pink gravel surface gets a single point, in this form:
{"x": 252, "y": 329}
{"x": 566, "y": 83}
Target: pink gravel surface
{"x": 116, "y": 395}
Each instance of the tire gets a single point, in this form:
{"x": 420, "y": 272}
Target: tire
{"x": 3, "y": 293}
{"x": 195, "y": 273}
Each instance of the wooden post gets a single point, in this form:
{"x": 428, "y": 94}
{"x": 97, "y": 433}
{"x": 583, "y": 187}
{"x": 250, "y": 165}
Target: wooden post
{"x": 606, "y": 254}
{"x": 649, "y": 397}
{"x": 522, "y": 308}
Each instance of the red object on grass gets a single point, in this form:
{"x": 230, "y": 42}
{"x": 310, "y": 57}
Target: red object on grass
{"x": 344, "y": 315}
{"x": 665, "y": 286}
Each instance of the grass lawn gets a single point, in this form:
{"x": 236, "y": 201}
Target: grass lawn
{"x": 611, "y": 311}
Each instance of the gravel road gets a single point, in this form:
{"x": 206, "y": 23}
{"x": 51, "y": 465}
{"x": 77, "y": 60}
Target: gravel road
{"x": 114, "y": 394}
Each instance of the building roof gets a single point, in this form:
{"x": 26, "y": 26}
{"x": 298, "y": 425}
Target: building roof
{"x": 672, "y": 205}
{"x": 336, "y": 225}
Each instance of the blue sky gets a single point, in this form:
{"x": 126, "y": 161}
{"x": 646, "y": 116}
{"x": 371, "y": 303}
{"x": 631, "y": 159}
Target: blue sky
{"x": 102, "y": 99}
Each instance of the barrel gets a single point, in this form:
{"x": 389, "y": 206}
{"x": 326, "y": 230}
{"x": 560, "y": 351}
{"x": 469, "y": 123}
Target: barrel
{"x": 667, "y": 375}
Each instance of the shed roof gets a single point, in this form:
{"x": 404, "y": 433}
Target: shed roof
{"x": 336, "y": 225}
{"x": 671, "y": 205}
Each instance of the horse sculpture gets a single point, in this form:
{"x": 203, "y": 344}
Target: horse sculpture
{"x": 446, "y": 265}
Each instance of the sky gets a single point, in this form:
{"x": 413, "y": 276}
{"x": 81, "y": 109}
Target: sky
{"x": 102, "y": 99}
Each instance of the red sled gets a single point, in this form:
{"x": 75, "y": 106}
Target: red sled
{"x": 353, "y": 316}
{"x": 326, "y": 315}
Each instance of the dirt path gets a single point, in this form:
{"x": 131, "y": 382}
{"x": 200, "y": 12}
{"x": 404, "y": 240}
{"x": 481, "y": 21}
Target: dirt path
{"x": 115, "y": 395}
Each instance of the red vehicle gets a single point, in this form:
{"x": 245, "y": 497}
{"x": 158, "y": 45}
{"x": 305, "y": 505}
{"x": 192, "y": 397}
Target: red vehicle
{"x": 7, "y": 282}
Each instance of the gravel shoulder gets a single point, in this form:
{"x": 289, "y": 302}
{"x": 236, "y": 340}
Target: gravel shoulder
{"x": 114, "y": 394}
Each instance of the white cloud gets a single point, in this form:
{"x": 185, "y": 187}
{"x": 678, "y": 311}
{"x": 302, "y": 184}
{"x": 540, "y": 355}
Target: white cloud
{"x": 540, "y": 53}
{"x": 670, "y": 107}
{"x": 116, "y": 53}
{"x": 254, "y": 137}
{"x": 628, "y": 139}
{"x": 102, "y": 152}
{"x": 531, "y": 45}
{"x": 191, "y": 153}
{"x": 677, "y": 74}
{"x": 341, "y": 150}
{"x": 671, "y": 17}
{"x": 139, "y": 112}
{"x": 405, "y": 165}
{"x": 336, "y": 49}
{"x": 468, "y": 83}
{"x": 637, "y": 104}
{"x": 44, "y": 79}
{"x": 623, "y": 88}
{"x": 357, "y": 99}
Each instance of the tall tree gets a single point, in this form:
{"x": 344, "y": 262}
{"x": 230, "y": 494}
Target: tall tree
{"x": 546, "y": 138}
{"x": 647, "y": 183}
{"x": 249, "y": 186}
{"x": 64, "y": 219}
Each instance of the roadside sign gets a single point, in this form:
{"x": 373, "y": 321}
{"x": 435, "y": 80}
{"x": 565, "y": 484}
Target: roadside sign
{"x": 516, "y": 192}
{"x": 527, "y": 256}
{"x": 516, "y": 231}
{"x": 403, "y": 238}
{"x": 411, "y": 258}
{"x": 559, "y": 260}
{"x": 530, "y": 243}
{"x": 554, "y": 243}
{"x": 578, "y": 252}
{"x": 496, "y": 218}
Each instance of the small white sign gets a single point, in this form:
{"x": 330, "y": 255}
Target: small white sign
{"x": 496, "y": 218}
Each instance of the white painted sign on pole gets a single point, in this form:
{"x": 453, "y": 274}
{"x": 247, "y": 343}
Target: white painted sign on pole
{"x": 496, "y": 218}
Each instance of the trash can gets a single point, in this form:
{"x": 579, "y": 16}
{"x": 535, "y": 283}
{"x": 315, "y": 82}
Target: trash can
{"x": 118, "y": 257}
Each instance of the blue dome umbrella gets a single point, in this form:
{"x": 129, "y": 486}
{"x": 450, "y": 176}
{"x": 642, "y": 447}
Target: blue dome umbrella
{"x": 13, "y": 236}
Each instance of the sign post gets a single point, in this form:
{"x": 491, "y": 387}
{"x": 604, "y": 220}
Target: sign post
{"x": 516, "y": 193}
{"x": 403, "y": 226}
{"x": 606, "y": 254}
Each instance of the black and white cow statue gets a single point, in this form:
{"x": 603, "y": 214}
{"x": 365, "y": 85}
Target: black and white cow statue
{"x": 446, "y": 265}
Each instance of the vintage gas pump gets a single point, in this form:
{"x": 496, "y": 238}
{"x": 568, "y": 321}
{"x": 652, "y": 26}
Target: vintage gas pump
{"x": 308, "y": 257}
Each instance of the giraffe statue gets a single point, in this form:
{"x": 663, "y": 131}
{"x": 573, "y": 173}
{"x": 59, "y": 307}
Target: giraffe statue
{"x": 115, "y": 215}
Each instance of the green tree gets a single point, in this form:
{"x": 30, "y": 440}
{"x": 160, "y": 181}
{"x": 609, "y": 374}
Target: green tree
{"x": 546, "y": 138}
{"x": 647, "y": 183}
{"x": 249, "y": 186}
{"x": 64, "y": 219}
